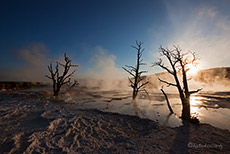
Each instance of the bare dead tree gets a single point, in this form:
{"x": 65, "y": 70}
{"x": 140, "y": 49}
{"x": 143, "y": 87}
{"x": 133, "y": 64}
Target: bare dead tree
{"x": 179, "y": 63}
{"x": 137, "y": 80}
{"x": 167, "y": 100}
{"x": 63, "y": 79}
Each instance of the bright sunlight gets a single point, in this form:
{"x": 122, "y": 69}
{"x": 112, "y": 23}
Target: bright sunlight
{"x": 193, "y": 70}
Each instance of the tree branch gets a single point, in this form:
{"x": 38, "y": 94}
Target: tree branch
{"x": 166, "y": 98}
{"x": 58, "y": 80}
{"x": 164, "y": 67}
{"x": 195, "y": 91}
{"x": 168, "y": 83}
{"x": 141, "y": 86}
{"x": 128, "y": 71}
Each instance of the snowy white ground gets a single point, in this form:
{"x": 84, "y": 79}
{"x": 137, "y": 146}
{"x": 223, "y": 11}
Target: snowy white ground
{"x": 32, "y": 122}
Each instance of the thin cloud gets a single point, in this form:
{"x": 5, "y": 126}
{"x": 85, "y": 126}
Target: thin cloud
{"x": 204, "y": 30}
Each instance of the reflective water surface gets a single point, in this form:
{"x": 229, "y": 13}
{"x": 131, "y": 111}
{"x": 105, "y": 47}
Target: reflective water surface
{"x": 211, "y": 108}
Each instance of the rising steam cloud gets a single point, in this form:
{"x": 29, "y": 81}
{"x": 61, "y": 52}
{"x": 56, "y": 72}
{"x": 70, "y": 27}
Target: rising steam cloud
{"x": 33, "y": 65}
{"x": 105, "y": 74}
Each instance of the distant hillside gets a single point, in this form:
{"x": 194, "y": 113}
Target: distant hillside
{"x": 208, "y": 79}
{"x": 217, "y": 78}
{"x": 213, "y": 75}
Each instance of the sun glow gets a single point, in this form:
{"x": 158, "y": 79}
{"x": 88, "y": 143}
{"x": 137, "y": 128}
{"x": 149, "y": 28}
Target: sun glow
{"x": 195, "y": 100}
{"x": 193, "y": 70}
{"x": 195, "y": 103}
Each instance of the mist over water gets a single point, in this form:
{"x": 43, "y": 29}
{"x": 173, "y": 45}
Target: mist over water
{"x": 215, "y": 79}
{"x": 204, "y": 106}
{"x": 106, "y": 87}
{"x": 115, "y": 96}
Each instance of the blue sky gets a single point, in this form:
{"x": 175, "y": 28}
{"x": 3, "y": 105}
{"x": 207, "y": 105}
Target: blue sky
{"x": 95, "y": 31}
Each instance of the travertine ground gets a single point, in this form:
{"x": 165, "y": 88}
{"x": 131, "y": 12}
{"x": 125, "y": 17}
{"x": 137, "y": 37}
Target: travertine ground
{"x": 31, "y": 123}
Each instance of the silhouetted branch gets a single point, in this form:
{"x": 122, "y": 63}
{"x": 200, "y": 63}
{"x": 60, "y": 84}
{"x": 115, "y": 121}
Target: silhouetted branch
{"x": 132, "y": 83}
{"x": 178, "y": 62}
{"x": 128, "y": 71}
{"x": 64, "y": 78}
{"x": 166, "y": 98}
{"x": 69, "y": 75}
{"x": 48, "y": 76}
{"x": 142, "y": 85}
{"x": 195, "y": 91}
{"x": 142, "y": 72}
{"x": 135, "y": 72}
{"x": 159, "y": 63}
{"x": 168, "y": 83}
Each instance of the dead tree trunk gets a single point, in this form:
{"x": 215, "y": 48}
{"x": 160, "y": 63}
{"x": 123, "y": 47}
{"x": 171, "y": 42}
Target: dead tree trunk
{"x": 167, "y": 100}
{"x": 178, "y": 63}
{"x": 59, "y": 80}
{"x": 137, "y": 81}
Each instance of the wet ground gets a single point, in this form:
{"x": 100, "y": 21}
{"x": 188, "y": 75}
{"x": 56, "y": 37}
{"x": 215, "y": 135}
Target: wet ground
{"x": 210, "y": 107}
{"x": 31, "y": 121}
